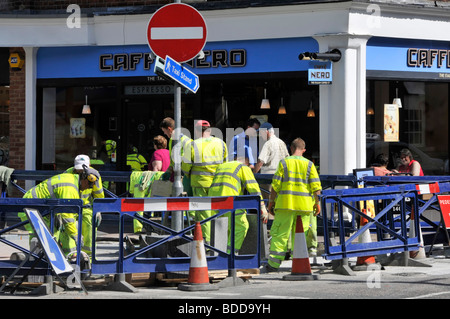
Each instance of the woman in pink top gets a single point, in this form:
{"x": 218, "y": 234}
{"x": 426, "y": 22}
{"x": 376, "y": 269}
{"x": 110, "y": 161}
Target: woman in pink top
{"x": 160, "y": 160}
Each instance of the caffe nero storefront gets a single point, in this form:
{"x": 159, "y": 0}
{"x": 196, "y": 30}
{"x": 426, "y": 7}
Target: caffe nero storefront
{"x": 417, "y": 72}
{"x": 127, "y": 100}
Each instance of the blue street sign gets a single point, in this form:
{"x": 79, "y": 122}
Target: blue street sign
{"x": 52, "y": 250}
{"x": 178, "y": 73}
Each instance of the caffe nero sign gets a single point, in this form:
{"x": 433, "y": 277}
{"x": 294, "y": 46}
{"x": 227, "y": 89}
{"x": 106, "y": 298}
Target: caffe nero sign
{"x": 212, "y": 59}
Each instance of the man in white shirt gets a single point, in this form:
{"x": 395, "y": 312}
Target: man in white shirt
{"x": 273, "y": 150}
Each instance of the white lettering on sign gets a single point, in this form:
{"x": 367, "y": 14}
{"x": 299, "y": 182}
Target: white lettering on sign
{"x": 176, "y": 33}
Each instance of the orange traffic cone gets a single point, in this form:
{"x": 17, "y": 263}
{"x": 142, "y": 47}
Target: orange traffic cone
{"x": 416, "y": 254}
{"x": 364, "y": 238}
{"x": 301, "y": 268}
{"x": 198, "y": 279}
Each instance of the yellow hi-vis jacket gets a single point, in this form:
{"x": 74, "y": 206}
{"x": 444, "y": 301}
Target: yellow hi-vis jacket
{"x": 62, "y": 186}
{"x": 110, "y": 146}
{"x": 137, "y": 162}
{"x": 232, "y": 178}
{"x": 295, "y": 182}
{"x": 184, "y": 144}
{"x": 206, "y": 155}
{"x": 88, "y": 195}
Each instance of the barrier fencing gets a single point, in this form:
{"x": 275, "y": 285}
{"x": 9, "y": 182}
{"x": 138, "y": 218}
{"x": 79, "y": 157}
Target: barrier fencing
{"x": 175, "y": 242}
{"x": 394, "y": 205}
{"x": 391, "y": 225}
{"x": 46, "y": 207}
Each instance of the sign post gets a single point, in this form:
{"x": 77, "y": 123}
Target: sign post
{"x": 179, "y": 31}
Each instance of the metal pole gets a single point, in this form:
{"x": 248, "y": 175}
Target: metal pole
{"x": 177, "y": 188}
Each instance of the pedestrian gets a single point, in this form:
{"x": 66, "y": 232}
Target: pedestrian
{"x": 247, "y": 138}
{"x": 273, "y": 150}
{"x": 63, "y": 186}
{"x": 295, "y": 190}
{"x": 88, "y": 195}
{"x": 168, "y": 126}
{"x": 408, "y": 164}
{"x": 160, "y": 160}
{"x": 207, "y": 153}
{"x": 232, "y": 179}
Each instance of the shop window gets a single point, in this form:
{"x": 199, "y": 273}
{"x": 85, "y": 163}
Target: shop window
{"x": 422, "y": 123}
{"x": 414, "y": 127}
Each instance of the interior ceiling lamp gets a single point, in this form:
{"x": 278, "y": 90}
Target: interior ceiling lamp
{"x": 265, "y": 102}
{"x": 281, "y": 109}
{"x": 397, "y": 100}
{"x": 370, "y": 111}
{"x": 86, "y": 108}
{"x": 311, "y": 112}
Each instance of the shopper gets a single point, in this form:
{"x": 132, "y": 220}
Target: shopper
{"x": 160, "y": 160}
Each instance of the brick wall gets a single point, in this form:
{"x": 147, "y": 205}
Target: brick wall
{"x": 17, "y": 115}
{"x": 17, "y": 119}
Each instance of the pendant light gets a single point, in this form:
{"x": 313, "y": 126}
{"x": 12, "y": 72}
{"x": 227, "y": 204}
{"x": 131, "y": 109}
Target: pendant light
{"x": 86, "y": 108}
{"x": 265, "y": 102}
{"x": 311, "y": 112}
{"x": 281, "y": 109}
{"x": 397, "y": 100}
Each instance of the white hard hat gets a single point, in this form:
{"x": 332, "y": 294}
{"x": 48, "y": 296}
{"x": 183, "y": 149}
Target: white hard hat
{"x": 81, "y": 160}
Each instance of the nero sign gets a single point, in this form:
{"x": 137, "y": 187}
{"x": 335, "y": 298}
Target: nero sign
{"x": 320, "y": 73}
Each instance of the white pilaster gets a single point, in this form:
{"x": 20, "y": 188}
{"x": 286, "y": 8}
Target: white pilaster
{"x": 343, "y": 106}
{"x": 30, "y": 111}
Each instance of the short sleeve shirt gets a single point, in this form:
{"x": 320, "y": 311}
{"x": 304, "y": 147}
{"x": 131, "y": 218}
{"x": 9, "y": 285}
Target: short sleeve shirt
{"x": 272, "y": 152}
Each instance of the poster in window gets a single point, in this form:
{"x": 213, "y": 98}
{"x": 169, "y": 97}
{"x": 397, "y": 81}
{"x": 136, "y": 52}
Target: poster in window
{"x": 391, "y": 123}
{"x": 77, "y": 128}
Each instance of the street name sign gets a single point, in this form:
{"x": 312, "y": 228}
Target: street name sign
{"x": 172, "y": 70}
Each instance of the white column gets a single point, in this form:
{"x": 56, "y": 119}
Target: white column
{"x": 30, "y": 111}
{"x": 343, "y": 107}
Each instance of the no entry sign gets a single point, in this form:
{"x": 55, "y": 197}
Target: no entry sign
{"x": 177, "y": 30}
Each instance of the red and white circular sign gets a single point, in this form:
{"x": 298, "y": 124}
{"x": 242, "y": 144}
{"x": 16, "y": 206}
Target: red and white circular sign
{"x": 177, "y": 30}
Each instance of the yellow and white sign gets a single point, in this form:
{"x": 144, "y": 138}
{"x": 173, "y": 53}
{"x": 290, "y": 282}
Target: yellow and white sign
{"x": 391, "y": 123}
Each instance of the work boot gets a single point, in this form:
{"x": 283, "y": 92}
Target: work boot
{"x": 268, "y": 269}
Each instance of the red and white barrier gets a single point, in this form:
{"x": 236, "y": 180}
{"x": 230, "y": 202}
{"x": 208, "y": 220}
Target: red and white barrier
{"x": 176, "y": 203}
{"x": 428, "y": 188}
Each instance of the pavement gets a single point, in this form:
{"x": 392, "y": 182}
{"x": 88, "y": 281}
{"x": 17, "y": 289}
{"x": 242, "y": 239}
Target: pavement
{"x": 420, "y": 278}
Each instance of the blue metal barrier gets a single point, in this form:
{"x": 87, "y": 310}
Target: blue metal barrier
{"x": 397, "y": 241}
{"x": 45, "y": 207}
{"x": 136, "y": 262}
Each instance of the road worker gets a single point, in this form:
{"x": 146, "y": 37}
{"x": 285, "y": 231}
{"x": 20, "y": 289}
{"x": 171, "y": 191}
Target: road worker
{"x": 232, "y": 179}
{"x": 136, "y": 161}
{"x": 88, "y": 196}
{"x": 110, "y": 147}
{"x": 207, "y": 152}
{"x": 63, "y": 186}
{"x": 295, "y": 190}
